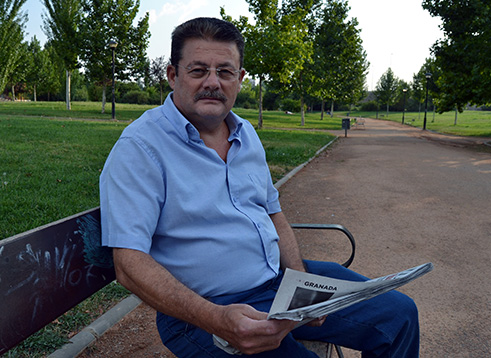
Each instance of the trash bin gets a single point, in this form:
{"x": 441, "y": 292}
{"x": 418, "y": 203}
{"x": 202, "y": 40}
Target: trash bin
{"x": 346, "y": 124}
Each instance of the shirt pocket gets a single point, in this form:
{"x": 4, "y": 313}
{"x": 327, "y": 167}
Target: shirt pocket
{"x": 259, "y": 189}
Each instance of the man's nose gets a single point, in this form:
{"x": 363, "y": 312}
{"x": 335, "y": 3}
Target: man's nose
{"x": 212, "y": 80}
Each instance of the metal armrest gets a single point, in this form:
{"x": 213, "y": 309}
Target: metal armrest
{"x": 331, "y": 227}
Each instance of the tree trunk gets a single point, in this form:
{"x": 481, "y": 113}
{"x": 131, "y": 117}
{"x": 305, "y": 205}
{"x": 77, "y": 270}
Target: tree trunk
{"x": 104, "y": 86}
{"x": 67, "y": 93}
{"x": 322, "y": 109}
{"x": 35, "y": 93}
{"x": 332, "y": 108}
{"x": 13, "y": 92}
{"x": 260, "y": 117}
{"x": 302, "y": 111}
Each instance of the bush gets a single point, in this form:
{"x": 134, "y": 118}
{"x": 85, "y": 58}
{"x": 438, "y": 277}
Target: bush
{"x": 136, "y": 97}
{"x": 290, "y": 105}
{"x": 371, "y": 106}
{"x": 246, "y": 99}
{"x": 80, "y": 94}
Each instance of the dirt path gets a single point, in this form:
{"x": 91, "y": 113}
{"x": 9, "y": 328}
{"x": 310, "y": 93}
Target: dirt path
{"x": 408, "y": 197}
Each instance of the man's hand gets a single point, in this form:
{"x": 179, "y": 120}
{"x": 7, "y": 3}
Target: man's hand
{"x": 248, "y": 330}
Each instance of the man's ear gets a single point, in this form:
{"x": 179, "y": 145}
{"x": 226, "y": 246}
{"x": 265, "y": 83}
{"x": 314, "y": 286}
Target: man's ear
{"x": 171, "y": 75}
{"x": 241, "y": 78}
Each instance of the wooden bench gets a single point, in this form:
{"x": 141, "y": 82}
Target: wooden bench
{"x": 360, "y": 122}
{"x": 46, "y": 271}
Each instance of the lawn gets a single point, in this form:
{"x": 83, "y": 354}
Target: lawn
{"x": 80, "y": 110}
{"x": 469, "y": 123}
{"x": 50, "y": 167}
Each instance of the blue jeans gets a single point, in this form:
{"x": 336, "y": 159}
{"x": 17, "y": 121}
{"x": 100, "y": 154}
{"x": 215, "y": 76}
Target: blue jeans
{"x": 384, "y": 326}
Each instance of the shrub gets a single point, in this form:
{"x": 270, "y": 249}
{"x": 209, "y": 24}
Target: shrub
{"x": 136, "y": 97}
{"x": 371, "y": 106}
{"x": 290, "y": 105}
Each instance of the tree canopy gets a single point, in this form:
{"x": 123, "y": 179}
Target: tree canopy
{"x": 386, "y": 90}
{"x": 462, "y": 56}
{"x": 106, "y": 20}
{"x": 340, "y": 61}
{"x": 12, "y": 22}
{"x": 305, "y": 47}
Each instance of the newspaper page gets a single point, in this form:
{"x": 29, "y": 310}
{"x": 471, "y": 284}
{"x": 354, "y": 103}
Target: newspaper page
{"x": 303, "y": 297}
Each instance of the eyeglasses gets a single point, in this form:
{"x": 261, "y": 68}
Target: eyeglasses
{"x": 223, "y": 73}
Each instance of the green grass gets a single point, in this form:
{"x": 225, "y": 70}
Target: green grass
{"x": 80, "y": 110}
{"x": 278, "y": 119}
{"x": 286, "y": 150}
{"x": 469, "y": 123}
{"x": 49, "y": 169}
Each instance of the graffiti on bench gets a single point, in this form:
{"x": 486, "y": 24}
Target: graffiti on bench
{"x": 47, "y": 271}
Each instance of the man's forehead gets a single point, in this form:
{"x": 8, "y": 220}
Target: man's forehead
{"x": 202, "y": 50}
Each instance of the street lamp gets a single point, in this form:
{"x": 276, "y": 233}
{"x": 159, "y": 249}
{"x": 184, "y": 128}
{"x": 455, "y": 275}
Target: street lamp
{"x": 404, "y": 105}
{"x": 113, "y": 44}
{"x": 428, "y": 76}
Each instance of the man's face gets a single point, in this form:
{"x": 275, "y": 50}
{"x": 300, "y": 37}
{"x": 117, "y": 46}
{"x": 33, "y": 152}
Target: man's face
{"x": 208, "y": 99}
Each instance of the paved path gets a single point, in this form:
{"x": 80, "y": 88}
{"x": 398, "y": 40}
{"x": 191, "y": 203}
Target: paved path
{"x": 408, "y": 199}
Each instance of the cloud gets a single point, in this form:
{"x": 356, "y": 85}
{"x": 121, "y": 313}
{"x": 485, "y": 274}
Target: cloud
{"x": 183, "y": 9}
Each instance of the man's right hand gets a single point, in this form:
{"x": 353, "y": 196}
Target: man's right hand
{"x": 249, "y": 331}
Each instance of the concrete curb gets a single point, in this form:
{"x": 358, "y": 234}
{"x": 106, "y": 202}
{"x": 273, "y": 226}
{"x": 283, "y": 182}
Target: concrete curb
{"x": 89, "y": 334}
{"x": 289, "y": 175}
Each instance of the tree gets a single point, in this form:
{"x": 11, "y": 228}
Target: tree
{"x": 19, "y": 69}
{"x": 463, "y": 54}
{"x": 340, "y": 63}
{"x": 298, "y": 16}
{"x": 62, "y": 29}
{"x": 52, "y": 84}
{"x": 386, "y": 88}
{"x": 158, "y": 73}
{"x": 36, "y": 66}
{"x": 106, "y": 20}
{"x": 12, "y": 22}
{"x": 420, "y": 81}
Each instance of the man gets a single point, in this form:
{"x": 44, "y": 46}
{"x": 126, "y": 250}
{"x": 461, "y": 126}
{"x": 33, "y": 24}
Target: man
{"x": 189, "y": 207}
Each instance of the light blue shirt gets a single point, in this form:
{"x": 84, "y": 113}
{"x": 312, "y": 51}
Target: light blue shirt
{"x": 164, "y": 192}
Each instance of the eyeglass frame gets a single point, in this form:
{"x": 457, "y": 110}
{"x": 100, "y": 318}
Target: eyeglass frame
{"x": 208, "y": 71}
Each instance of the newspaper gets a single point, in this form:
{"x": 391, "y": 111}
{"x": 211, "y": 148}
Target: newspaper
{"x": 303, "y": 296}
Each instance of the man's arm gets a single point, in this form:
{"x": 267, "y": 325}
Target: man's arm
{"x": 241, "y": 325}
{"x": 289, "y": 251}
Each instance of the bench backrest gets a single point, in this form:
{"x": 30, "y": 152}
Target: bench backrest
{"x": 47, "y": 271}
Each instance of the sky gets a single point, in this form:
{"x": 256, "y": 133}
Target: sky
{"x": 395, "y": 33}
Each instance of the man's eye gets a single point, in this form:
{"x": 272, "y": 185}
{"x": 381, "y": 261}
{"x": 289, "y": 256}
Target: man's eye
{"x": 226, "y": 73}
{"x": 198, "y": 72}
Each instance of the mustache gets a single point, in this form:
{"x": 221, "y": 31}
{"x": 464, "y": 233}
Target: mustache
{"x": 210, "y": 94}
